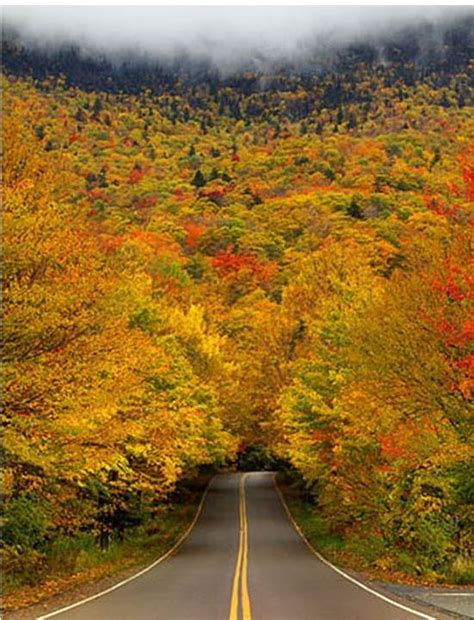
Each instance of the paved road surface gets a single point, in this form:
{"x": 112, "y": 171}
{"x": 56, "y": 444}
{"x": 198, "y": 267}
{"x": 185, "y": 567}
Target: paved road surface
{"x": 243, "y": 561}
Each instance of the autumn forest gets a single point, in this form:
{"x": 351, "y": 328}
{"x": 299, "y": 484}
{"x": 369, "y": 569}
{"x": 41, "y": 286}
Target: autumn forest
{"x": 206, "y": 271}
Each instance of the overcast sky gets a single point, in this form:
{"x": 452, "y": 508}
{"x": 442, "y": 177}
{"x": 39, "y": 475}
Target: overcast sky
{"x": 222, "y": 34}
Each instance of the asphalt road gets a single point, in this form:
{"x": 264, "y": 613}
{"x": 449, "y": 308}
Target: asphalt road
{"x": 244, "y": 560}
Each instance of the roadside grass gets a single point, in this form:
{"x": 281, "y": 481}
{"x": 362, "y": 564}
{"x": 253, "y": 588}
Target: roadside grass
{"x": 462, "y": 571}
{"x": 367, "y": 553}
{"x": 314, "y": 527}
{"x": 72, "y": 561}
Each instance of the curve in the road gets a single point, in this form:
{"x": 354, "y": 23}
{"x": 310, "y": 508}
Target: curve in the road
{"x": 243, "y": 560}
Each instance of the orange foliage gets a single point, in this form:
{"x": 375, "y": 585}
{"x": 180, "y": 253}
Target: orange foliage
{"x": 136, "y": 175}
{"x": 228, "y": 264}
{"x": 194, "y": 233}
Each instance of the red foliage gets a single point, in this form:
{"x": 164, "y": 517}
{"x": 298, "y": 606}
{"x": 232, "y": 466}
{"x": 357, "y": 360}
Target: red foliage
{"x": 109, "y": 244}
{"x": 468, "y": 175}
{"x": 322, "y": 435}
{"x": 467, "y": 365}
{"x": 227, "y": 263}
{"x": 146, "y": 202}
{"x": 466, "y": 333}
{"x": 97, "y": 194}
{"x": 454, "y": 336}
{"x": 195, "y": 232}
{"x": 216, "y": 194}
{"x": 389, "y": 448}
{"x": 453, "y": 290}
{"x": 457, "y": 285}
{"x": 136, "y": 175}
{"x": 440, "y": 207}
{"x": 73, "y": 137}
{"x": 180, "y": 195}
{"x": 454, "y": 189}
{"x": 467, "y": 167}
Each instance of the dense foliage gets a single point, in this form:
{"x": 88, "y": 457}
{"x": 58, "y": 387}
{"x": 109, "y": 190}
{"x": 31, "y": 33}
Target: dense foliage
{"x": 191, "y": 271}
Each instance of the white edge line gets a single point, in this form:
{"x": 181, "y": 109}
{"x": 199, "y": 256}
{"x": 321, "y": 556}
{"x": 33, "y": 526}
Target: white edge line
{"x": 338, "y": 570}
{"x": 452, "y": 594}
{"x": 161, "y": 559}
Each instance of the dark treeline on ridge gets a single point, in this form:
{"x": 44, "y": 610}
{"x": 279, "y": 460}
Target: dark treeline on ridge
{"x": 420, "y": 52}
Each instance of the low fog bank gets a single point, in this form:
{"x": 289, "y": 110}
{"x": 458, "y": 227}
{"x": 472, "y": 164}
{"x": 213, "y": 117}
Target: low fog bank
{"x": 227, "y": 39}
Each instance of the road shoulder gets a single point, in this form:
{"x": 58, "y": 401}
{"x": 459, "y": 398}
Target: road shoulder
{"x": 454, "y": 602}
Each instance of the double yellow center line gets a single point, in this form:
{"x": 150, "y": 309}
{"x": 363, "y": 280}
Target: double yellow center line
{"x": 240, "y": 575}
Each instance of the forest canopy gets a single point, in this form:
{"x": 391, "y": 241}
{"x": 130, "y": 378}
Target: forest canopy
{"x": 195, "y": 266}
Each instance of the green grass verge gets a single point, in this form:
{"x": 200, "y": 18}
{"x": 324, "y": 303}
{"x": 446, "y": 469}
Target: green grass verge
{"x": 315, "y": 528}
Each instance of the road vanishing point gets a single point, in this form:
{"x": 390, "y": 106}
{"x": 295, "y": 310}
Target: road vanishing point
{"x": 243, "y": 560}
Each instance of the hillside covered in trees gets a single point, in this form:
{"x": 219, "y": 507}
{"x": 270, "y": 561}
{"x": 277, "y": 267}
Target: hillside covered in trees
{"x": 197, "y": 264}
